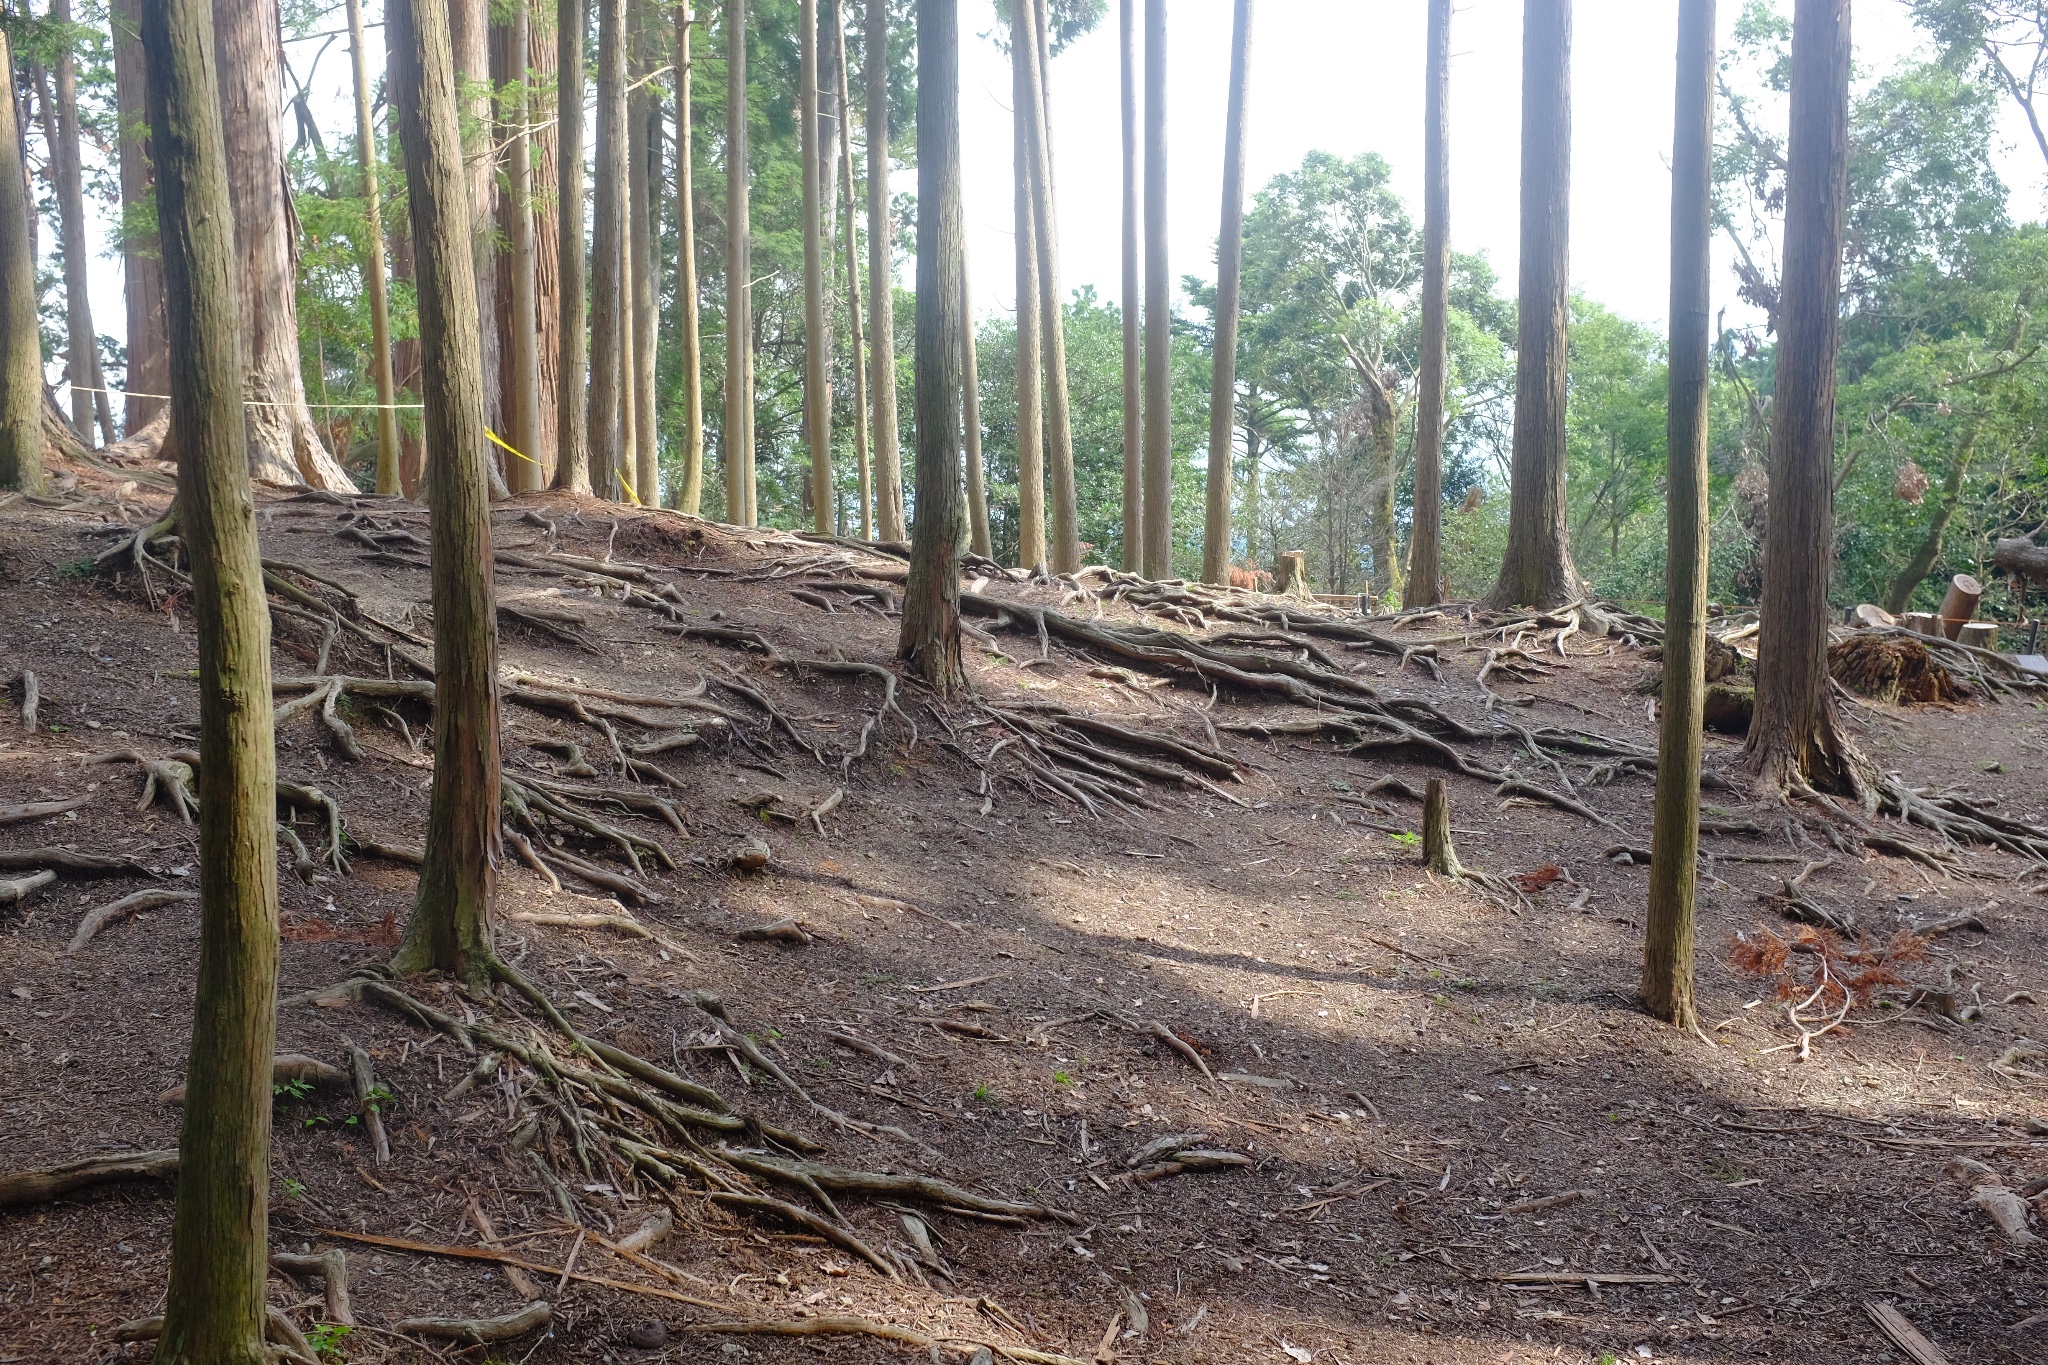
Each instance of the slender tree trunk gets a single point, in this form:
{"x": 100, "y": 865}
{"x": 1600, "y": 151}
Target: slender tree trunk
{"x": 373, "y": 260}
{"x": 737, "y": 443}
{"x": 1059, "y": 421}
{"x": 970, "y": 414}
{"x": 82, "y": 359}
{"x": 930, "y": 641}
{"x": 450, "y": 929}
{"x": 1030, "y": 346}
{"x": 882, "y": 282}
{"x": 542, "y": 55}
{"x": 608, "y": 313}
{"x": 142, "y": 270}
{"x": 469, "y": 31}
{"x": 1900, "y": 595}
{"x": 689, "y": 341}
{"x": 817, "y": 378}
{"x": 1216, "y": 537}
{"x": 214, "y": 1308}
{"x": 521, "y": 396}
{"x": 21, "y": 342}
{"x": 1384, "y": 473}
{"x": 572, "y": 436}
{"x": 1133, "y": 305}
{"x": 405, "y": 372}
{"x": 1537, "y": 569}
{"x": 1425, "y": 544}
{"x": 853, "y": 292}
{"x": 1796, "y": 737}
{"x": 1158, "y": 496}
{"x": 645, "y": 113}
{"x": 1667, "y": 986}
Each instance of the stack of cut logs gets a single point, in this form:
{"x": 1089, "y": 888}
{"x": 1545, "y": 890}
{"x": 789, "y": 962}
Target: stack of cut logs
{"x": 1955, "y": 621}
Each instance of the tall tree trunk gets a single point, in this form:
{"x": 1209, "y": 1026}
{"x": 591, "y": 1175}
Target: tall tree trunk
{"x": 1383, "y": 473}
{"x": 373, "y": 260}
{"x": 609, "y": 400}
{"x": 450, "y": 929}
{"x": 405, "y": 372}
{"x": 518, "y": 293}
{"x": 284, "y": 444}
{"x": 817, "y": 378}
{"x": 1216, "y": 537}
{"x": 88, "y": 394}
{"x": 1059, "y": 421}
{"x": 853, "y": 291}
{"x": 572, "y": 436}
{"x": 1030, "y": 345}
{"x": 882, "y": 281}
{"x": 1133, "y": 305}
{"x": 214, "y": 1307}
{"x": 1158, "y": 497}
{"x": 469, "y": 30}
{"x": 542, "y": 24}
{"x": 737, "y": 442}
{"x": 142, "y": 271}
{"x": 1900, "y": 595}
{"x": 21, "y": 341}
{"x": 645, "y": 116}
{"x": 690, "y": 342}
{"x": 970, "y": 419}
{"x": 1537, "y": 569}
{"x": 1667, "y": 985}
{"x": 930, "y": 640}
{"x": 1796, "y": 737}
{"x": 1425, "y": 543}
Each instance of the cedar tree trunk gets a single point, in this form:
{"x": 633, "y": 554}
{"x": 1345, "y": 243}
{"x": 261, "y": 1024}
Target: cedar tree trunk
{"x": 1030, "y": 360}
{"x": 882, "y": 282}
{"x": 1133, "y": 306}
{"x": 817, "y": 376}
{"x": 142, "y": 270}
{"x": 610, "y": 401}
{"x": 88, "y": 394}
{"x": 853, "y": 292}
{"x": 1216, "y": 538}
{"x": 1425, "y": 540}
{"x": 644, "y": 113}
{"x": 572, "y": 439}
{"x": 737, "y": 442}
{"x": 373, "y": 260}
{"x": 689, "y": 342}
{"x": 970, "y": 419}
{"x": 21, "y": 343}
{"x": 520, "y": 388}
{"x": 1059, "y": 421}
{"x": 1158, "y": 496}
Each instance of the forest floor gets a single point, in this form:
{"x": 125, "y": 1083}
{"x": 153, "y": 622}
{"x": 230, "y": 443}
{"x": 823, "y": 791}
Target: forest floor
{"x": 1411, "y": 1067}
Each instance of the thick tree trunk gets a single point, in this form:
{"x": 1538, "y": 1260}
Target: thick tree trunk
{"x": 1537, "y": 569}
{"x": 970, "y": 419}
{"x": 853, "y": 290}
{"x": 1667, "y": 984}
{"x": 214, "y": 1308}
{"x": 817, "y": 375}
{"x": 737, "y": 441}
{"x": 142, "y": 270}
{"x": 1158, "y": 495}
{"x": 882, "y": 282}
{"x": 572, "y": 437}
{"x": 609, "y": 400}
{"x": 1900, "y": 596}
{"x": 1796, "y": 738}
{"x": 644, "y": 112}
{"x": 82, "y": 364}
{"x": 284, "y": 443}
{"x": 1030, "y": 346}
{"x": 21, "y": 342}
{"x": 689, "y": 340}
{"x": 1059, "y": 421}
{"x": 930, "y": 640}
{"x": 388, "y": 481}
{"x": 1133, "y": 306}
{"x": 1425, "y": 543}
{"x": 450, "y": 929}
{"x": 518, "y": 298}
{"x": 1216, "y": 537}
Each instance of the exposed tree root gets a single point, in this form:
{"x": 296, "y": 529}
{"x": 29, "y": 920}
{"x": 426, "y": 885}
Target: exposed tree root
{"x": 479, "y": 1331}
{"x": 15, "y": 890}
{"x": 31, "y": 701}
{"x": 286, "y": 1069}
{"x": 287, "y": 1342}
{"x": 70, "y": 863}
{"x": 331, "y": 1268}
{"x": 169, "y": 778}
{"x": 37, "y": 810}
{"x": 861, "y": 1327}
{"x": 21, "y": 1188}
{"x": 135, "y": 901}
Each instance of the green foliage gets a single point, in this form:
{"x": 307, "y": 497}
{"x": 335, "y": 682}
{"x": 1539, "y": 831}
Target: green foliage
{"x": 327, "y": 1339}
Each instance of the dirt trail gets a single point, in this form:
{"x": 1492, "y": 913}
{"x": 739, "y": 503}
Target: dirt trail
{"x": 1451, "y": 1115}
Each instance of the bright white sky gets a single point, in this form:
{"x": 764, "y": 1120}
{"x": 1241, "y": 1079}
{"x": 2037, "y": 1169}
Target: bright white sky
{"x": 1341, "y": 76}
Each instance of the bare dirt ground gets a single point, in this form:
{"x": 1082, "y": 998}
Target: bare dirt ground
{"x": 1408, "y": 1065}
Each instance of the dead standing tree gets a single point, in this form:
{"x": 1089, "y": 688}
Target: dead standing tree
{"x": 215, "y": 1306}
{"x": 450, "y": 927}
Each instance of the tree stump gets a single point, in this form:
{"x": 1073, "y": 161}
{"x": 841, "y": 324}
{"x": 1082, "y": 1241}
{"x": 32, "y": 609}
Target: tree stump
{"x": 1438, "y": 853}
{"x": 1960, "y": 605}
{"x": 1291, "y": 576}
{"x": 1872, "y": 617}
{"x": 1921, "y": 622}
{"x": 1979, "y": 634}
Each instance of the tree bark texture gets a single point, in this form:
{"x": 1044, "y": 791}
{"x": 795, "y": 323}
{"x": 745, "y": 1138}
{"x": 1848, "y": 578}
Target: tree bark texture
{"x": 1133, "y": 304}
{"x": 644, "y": 112}
{"x": 1059, "y": 420}
{"x": 88, "y": 392}
{"x": 1424, "y": 587}
{"x": 1158, "y": 494}
{"x": 21, "y": 343}
{"x": 817, "y": 357}
{"x": 1796, "y": 737}
{"x": 689, "y": 340}
{"x": 1216, "y": 537}
{"x": 284, "y": 444}
{"x": 609, "y": 401}
{"x": 882, "y": 282}
{"x": 930, "y": 639}
{"x": 450, "y": 929}
{"x": 405, "y": 371}
{"x": 386, "y": 416}
{"x": 469, "y": 32}
{"x": 737, "y": 441}
{"x": 853, "y": 291}
{"x": 1537, "y": 568}
{"x": 970, "y": 419}
{"x": 1667, "y": 984}
{"x": 142, "y": 270}
{"x": 518, "y": 293}
{"x": 1031, "y": 543}
{"x": 1383, "y": 473}
{"x": 572, "y": 436}
{"x": 214, "y": 1307}
{"x": 1439, "y": 851}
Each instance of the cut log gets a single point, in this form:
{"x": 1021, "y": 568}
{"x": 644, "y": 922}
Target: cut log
{"x": 1979, "y": 634}
{"x": 2021, "y": 558}
{"x": 19, "y": 1188}
{"x": 1921, "y": 622}
{"x": 1960, "y": 604}
{"x": 1874, "y": 617}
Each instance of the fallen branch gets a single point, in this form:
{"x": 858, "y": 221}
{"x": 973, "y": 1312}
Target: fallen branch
{"x": 39, "y": 1186}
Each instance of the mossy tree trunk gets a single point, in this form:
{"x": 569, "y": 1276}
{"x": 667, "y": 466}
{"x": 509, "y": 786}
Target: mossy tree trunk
{"x": 450, "y": 929}
{"x": 1424, "y": 587}
{"x": 213, "y": 1311}
{"x": 21, "y": 343}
